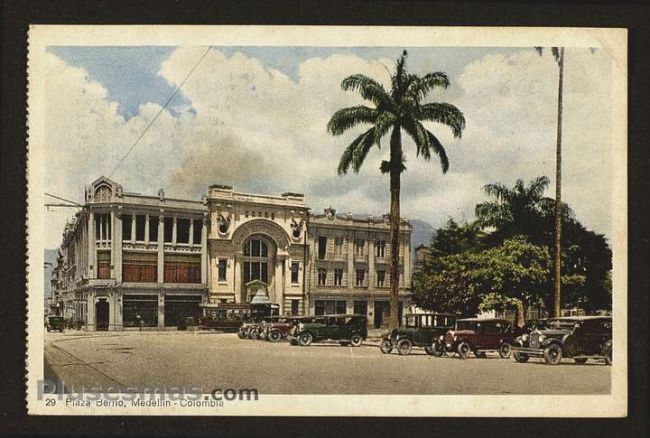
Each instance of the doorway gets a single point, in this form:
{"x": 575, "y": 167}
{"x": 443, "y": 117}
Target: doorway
{"x": 101, "y": 315}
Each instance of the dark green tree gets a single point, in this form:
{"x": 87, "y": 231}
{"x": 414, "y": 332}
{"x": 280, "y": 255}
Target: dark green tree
{"x": 454, "y": 238}
{"x": 400, "y": 108}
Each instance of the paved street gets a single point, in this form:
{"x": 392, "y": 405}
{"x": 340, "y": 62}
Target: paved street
{"x": 218, "y": 360}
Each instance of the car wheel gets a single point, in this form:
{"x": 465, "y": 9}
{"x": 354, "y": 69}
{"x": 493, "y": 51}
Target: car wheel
{"x": 463, "y": 350}
{"x": 505, "y": 349}
{"x": 356, "y": 340}
{"x": 438, "y": 349}
{"x": 520, "y": 357}
{"x": 608, "y": 356}
{"x": 404, "y": 347}
{"x": 253, "y": 335}
{"x": 386, "y": 347}
{"x": 580, "y": 360}
{"x": 553, "y": 354}
{"x": 305, "y": 339}
{"x": 275, "y": 336}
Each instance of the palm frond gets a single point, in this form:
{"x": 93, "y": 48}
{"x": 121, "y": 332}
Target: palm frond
{"x": 439, "y": 150}
{"x": 382, "y": 124}
{"x": 347, "y": 118}
{"x": 355, "y": 154}
{"x": 418, "y": 89}
{"x": 537, "y": 187}
{"x": 444, "y": 113}
{"x": 368, "y": 88}
{"x": 498, "y": 191}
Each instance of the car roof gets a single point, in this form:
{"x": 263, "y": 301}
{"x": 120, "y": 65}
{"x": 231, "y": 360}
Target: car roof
{"x": 579, "y": 318}
{"x": 484, "y": 320}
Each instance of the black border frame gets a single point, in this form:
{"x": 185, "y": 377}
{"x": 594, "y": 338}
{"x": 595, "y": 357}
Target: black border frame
{"x": 17, "y": 15}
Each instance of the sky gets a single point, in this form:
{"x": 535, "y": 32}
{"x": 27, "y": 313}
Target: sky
{"x": 255, "y": 118}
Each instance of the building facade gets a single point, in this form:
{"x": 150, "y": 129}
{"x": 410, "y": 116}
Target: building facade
{"x": 130, "y": 261}
{"x": 257, "y": 242}
{"x": 349, "y": 269}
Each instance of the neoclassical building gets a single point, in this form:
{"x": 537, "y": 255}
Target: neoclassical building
{"x": 257, "y": 241}
{"x": 134, "y": 261}
{"x": 349, "y": 267}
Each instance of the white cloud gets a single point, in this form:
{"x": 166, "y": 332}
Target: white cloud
{"x": 257, "y": 129}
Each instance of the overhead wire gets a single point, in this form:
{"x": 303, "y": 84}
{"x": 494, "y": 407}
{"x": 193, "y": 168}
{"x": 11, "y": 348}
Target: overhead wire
{"x": 160, "y": 111}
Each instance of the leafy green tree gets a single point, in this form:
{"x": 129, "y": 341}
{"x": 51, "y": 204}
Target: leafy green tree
{"x": 454, "y": 238}
{"x": 400, "y": 108}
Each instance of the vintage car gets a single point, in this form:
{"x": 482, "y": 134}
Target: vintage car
{"x": 420, "y": 330}
{"x": 347, "y": 329}
{"x": 275, "y": 331}
{"x": 244, "y": 329}
{"x": 56, "y": 323}
{"x": 577, "y": 337}
{"x": 478, "y": 335}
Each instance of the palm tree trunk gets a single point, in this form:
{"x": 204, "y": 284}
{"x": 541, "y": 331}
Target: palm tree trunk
{"x": 558, "y": 192}
{"x": 395, "y": 173}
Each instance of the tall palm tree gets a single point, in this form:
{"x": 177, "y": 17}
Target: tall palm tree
{"x": 400, "y": 108}
{"x": 516, "y": 210}
{"x": 558, "y": 54}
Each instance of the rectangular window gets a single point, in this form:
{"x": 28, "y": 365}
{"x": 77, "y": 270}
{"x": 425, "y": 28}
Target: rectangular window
{"x": 182, "y": 231}
{"x": 361, "y": 275}
{"x": 103, "y": 227}
{"x": 380, "y": 248}
{"x": 126, "y": 227}
{"x": 338, "y": 277}
{"x": 322, "y": 276}
{"x": 322, "y": 247}
{"x": 338, "y": 246}
{"x": 381, "y": 277}
{"x": 295, "y": 268}
{"x": 256, "y": 271}
{"x": 358, "y": 247}
{"x": 179, "y": 272}
{"x": 295, "y": 307}
{"x": 330, "y": 307}
{"x": 153, "y": 229}
{"x": 169, "y": 229}
{"x": 198, "y": 228}
{"x": 139, "y": 227}
{"x": 360, "y": 307}
{"x": 223, "y": 267}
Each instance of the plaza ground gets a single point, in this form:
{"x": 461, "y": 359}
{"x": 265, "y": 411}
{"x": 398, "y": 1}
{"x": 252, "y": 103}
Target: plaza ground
{"x": 222, "y": 360}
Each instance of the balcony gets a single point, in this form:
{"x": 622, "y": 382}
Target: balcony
{"x": 183, "y": 248}
{"x": 140, "y": 246}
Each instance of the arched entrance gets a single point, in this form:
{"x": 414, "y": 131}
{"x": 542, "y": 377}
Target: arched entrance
{"x": 101, "y": 314}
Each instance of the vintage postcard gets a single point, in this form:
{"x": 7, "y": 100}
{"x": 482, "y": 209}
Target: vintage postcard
{"x": 327, "y": 221}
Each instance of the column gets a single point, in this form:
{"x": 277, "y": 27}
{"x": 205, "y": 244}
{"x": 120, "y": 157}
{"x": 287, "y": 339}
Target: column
{"x": 146, "y": 229}
{"x": 239, "y": 298}
{"x": 372, "y": 281}
{"x": 92, "y": 251}
{"x": 112, "y": 247}
{"x": 117, "y": 248}
{"x": 191, "y": 239}
{"x": 407, "y": 263}
{"x": 351, "y": 277}
{"x": 133, "y": 228}
{"x": 90, "y": 314}
{"x": 161, "y": 249}
{"x": 204, "y": 249}
{"x": 174, "y": 232}
{"x": 161, "y": 309}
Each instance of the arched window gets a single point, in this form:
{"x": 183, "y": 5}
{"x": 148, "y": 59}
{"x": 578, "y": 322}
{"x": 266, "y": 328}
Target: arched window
{"x": 256, "y": 260}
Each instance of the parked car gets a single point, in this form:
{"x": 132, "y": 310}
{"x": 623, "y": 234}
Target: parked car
{"x": 275, "y": 331}
{"x": 577, "y": 337}
{"x": 347, "y": 329}
{"x": 244, "y": 330}
{"x": 479, "y": 335}
{"x": 420, "y": 330}
{"x": 56, "y": 323}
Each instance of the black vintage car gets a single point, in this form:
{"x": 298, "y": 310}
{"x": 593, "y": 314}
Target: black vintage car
{"x": 420, "y": 330}
{"x": 579, "y": 337}
{"x": 347, "y": 329}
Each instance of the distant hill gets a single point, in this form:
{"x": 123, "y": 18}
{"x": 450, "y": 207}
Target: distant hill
{"x": 422, "y": 232}
{"x": 50, "y": 257}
